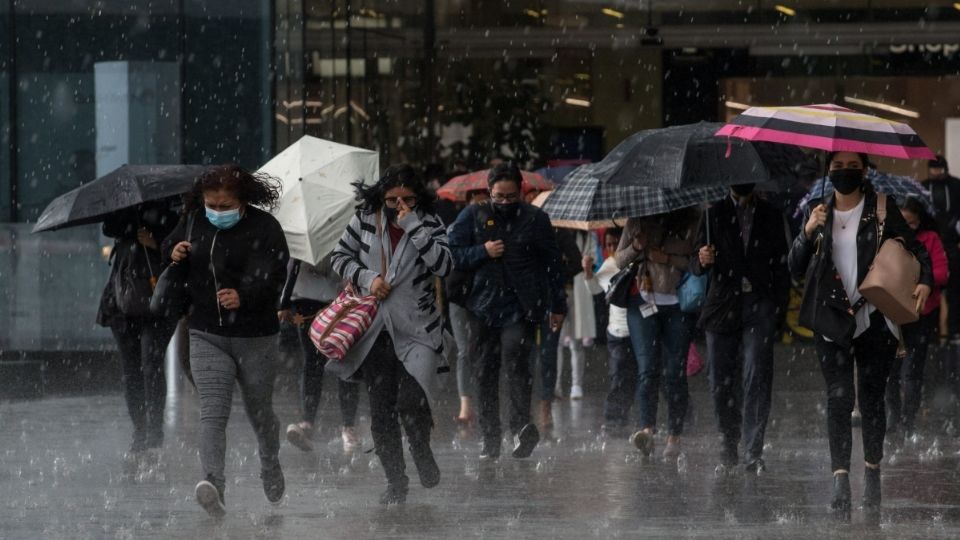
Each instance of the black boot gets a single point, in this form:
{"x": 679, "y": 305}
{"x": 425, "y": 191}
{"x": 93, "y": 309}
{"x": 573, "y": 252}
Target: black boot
{"x": 871, "y": 489}
{"x": 426, "y": 464}
{"x": 840, "y": 503}
{"x": 396, "y": 492}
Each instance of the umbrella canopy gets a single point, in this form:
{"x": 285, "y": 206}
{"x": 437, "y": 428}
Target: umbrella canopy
{"x": 124, "y": 187}
{"x": 691, "y": 155}
{"x": 828, "y": 127}
{"x": 317, "y": 199}
{"x": 456, "y": 188}
{"x": 556, "y": 174}
{"x": 583, "y": 201}
{"x": 891, "y": 184}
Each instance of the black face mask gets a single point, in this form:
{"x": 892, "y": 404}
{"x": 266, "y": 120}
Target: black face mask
{"x": 846, "y": 181}
{"x": 742, "y": 190}
{"x": 506, "y": 209}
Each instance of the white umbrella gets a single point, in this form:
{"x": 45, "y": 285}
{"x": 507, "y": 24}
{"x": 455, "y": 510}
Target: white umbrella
{"x": 316, "y": 199}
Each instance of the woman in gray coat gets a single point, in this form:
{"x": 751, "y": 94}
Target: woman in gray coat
{"x": 392, "y": 249}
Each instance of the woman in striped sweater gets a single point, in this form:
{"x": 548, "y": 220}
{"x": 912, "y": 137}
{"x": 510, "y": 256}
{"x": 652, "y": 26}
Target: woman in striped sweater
{"x": 393, "y": 248}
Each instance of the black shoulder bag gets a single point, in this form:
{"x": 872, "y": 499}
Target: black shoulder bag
{"x": 171, "y": 299}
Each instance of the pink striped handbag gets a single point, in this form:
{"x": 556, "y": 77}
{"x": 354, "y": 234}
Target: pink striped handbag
{"x": 341, "y": 324}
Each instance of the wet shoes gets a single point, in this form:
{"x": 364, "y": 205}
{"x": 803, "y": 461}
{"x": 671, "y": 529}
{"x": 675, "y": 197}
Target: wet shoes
{"x": 490, "y": 451}
{"x": 210, "y": 498}
{"x": 643, "y": 441}
{"x": 840, "y": 503}
{"x": 299, "y": 435}
{"x": 273, "y": 482}
{"x": 396, "y": 493}
{"x": 526, "y": 441}
{"x": 426, "y": 465}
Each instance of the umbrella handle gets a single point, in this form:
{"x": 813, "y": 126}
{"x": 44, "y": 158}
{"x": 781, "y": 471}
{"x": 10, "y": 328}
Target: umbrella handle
{"x": 707, "y": 218}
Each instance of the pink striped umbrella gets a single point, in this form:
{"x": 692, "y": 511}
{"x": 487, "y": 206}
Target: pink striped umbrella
{"x": 828, "y": 127}
{"x": 457, "y": 188}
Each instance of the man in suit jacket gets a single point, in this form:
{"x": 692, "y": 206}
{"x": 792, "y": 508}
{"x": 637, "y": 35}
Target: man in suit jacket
{"x": 743, "y": 244}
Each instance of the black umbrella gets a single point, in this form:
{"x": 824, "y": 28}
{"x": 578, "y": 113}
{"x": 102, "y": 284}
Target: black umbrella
{"x": 125, "y": 187}
{"x": 691, "y": 155}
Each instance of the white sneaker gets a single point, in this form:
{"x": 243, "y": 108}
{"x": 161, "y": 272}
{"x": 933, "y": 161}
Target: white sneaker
{"x": 350, "y": 439}
{"x": 576, "y": 392}
{"x": 299, "y": 436}
{"x": 209, "y": 499}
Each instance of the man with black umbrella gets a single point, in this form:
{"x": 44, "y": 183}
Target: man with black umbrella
{"x": 743, "y": 244}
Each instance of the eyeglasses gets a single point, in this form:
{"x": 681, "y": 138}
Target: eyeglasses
{"x": 394, "y": 202}
{"x": 505, "y": 197}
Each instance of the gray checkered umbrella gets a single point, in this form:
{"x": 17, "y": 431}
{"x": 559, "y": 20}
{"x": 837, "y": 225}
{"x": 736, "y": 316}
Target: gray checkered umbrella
{"x": 584, "y": 202}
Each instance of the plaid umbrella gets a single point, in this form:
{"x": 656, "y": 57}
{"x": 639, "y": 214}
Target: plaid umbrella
{"x": 556, "y": 174}
{"x": 583, "y": 201}
{"x": 456, "y": 188}
{"x": 828, "y": 127}
{"x": 891, "y": 184}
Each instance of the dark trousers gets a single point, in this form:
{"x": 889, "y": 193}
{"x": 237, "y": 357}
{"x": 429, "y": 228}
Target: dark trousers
{"x": 395, "y": 398}
{"x": 311, "y": 380}
{"x": 623, "y": 381}
{"x": 660, "y": 344}
{"x": 547, "y": 351}
{"x": 508, "y": 346}
{"x": 952, "y": 292}
{"x": 142, "y": 343}
{"x": 873, "y": 351}
{"x": 905, "y": 384}
{"x": 741, "y": 385}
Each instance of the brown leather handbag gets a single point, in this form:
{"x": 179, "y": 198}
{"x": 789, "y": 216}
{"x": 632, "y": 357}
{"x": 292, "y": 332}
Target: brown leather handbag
{"x": 893, "y": 275}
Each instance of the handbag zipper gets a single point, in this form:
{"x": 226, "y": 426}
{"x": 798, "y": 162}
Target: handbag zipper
{"x": 213, "y": 270}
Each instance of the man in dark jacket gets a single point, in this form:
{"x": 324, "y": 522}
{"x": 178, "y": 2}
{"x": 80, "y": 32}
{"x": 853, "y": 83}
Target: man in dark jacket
{"x": 517, "y": 281}
{"x": 945, "y": 193}
{"x": 749, "y": 282}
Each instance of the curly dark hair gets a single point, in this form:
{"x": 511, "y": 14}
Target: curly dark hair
{"x": 259, "y": 189}
{"x": 402, "y": 175}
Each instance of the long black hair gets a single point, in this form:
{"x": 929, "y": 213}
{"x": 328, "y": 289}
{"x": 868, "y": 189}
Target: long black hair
{"x": 402, "y": 175}
{"x": 914, "y": 206}
{"x": 258, "y": 189}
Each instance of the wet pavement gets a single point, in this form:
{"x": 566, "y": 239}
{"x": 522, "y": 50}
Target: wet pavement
{"x": 62, "y": 475}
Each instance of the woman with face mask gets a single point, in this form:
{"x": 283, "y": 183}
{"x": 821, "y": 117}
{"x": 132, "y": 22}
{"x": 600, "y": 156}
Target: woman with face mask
{"x": 237, "y": 258}
{"x": 834, "y": 251}
{"x": 393, "y": 249}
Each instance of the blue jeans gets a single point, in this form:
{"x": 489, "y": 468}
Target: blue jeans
{"x": 742, "y": 389}
{"x": 660, "y": 344}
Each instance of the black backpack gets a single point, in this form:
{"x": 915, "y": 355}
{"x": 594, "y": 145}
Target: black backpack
{"x": 459, "y": 283}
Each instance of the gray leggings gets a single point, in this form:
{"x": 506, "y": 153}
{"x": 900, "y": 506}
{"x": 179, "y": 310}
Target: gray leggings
{"x": 216, "y": 362}
{"x": 464, "y": 333}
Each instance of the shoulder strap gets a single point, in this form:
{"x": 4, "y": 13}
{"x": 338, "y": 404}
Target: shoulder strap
{"x": 383, "y": 255}
{"x": 881, "y": 208}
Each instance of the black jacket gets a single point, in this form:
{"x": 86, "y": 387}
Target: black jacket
{"x": 531, "y": 267}
{"x": 763, "y": 264}
{"x": 250, "y": 257}
{"x": 825, "y": 304}
{"x": 945, "y": 195}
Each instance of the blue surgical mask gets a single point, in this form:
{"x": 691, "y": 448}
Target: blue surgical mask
{"x": 223, "y": 220}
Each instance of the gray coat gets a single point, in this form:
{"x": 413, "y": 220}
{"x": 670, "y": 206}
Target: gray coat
{"x": 409, "y": 313}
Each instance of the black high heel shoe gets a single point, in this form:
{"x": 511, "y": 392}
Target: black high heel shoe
{"x": 840, "y": 504}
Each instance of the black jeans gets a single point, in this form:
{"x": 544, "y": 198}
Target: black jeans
{"x": 873, "y": 351}
{"x": 142, "y": 343}
{"x": 508, "y": 346}
{"x": 742, "y": 388}
{"x": 311, "y": 381}
{"x": 623, "y": 381}
{"x": 952, "y": 293}
{"x": 905, "y": 384}
{"x": 395, "y": 398}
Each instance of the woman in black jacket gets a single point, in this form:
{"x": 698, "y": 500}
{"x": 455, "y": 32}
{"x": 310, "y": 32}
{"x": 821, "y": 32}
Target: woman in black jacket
{"x": 834, "y": 251}
{"x": 125, "y": 308}
{"x": 237, "y": 258}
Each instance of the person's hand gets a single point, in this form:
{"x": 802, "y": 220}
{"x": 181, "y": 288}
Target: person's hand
{"x": 180, "y": 252}
{"x": 145, "y": 237}
{"x": 402, "y": 210}
{"x": 494, "y": 248}
{"x": 228, "y": 298}
{"x": 587, "y": 264}
{"x": 285, "y": 315}
{"x": 638, "y": 241}
{"x": 817, "y": 219}
{"x": 380, "y": 288}
{"x": 657, "y": 256}
{"x": 921, "y": 293}
{"x": 708, "y": 256}
{"x": 556, "y": 321}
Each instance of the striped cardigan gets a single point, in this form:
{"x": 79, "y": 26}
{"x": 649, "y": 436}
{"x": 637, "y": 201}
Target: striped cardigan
{"x": 409, "y": 314}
